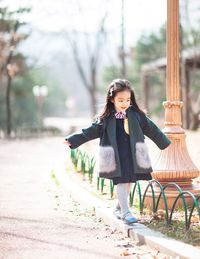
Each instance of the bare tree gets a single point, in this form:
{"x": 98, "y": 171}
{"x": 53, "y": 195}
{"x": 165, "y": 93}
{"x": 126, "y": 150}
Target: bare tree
{"x": 89, "y": 80}
{"x": 10, "y": 66}
{"x": 122, "y": 54}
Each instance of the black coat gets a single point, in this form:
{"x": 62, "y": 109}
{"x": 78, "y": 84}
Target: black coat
{"x": 139, "y": 125}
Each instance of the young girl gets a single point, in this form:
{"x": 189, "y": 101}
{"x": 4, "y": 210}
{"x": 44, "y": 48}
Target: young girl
{"x": 123, "y": 155}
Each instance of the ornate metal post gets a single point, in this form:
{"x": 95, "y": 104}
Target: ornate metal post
{"x": 174, "y": 163}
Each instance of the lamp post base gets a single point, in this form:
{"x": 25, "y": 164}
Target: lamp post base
{"x": 174, "y": 165}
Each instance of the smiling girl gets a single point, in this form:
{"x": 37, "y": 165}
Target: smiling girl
{"x": 123, "y": 154}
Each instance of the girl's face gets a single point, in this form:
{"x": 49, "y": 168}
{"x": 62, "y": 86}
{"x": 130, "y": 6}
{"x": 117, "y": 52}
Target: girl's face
{"x": 122, "y": 101}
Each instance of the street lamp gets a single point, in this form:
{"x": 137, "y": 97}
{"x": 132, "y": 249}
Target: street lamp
{"x": 40, "y": 92}
{"x": 174, "y": 164}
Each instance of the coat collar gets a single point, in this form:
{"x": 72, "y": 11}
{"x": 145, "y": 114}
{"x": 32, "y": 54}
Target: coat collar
{"x": 135, "y": 135}
{"x": 111, "y": 127}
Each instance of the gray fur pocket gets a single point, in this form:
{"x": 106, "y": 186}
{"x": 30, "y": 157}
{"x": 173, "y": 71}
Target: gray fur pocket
{"x": 107, "y": 163}
{"x": 142, "y": 155}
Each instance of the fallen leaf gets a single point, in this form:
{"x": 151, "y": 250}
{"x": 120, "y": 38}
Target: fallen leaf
{"x": 126, "y": 253}
{"x": 195, "y": 219}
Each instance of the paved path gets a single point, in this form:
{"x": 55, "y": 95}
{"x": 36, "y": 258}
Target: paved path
{"x": 38, "y": 221}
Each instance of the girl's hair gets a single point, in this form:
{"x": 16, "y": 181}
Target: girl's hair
{"x": 116, "y": 86}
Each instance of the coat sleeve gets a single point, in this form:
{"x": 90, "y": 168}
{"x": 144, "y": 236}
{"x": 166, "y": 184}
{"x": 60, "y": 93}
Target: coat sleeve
{"x": 87, "y": 134}
{"x": 150, "y": 129}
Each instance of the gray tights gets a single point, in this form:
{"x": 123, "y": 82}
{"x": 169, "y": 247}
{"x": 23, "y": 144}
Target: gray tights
{"x": 123, "y": 191}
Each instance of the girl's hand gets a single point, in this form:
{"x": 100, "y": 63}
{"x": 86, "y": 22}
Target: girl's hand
{"x": 66, "y": 142}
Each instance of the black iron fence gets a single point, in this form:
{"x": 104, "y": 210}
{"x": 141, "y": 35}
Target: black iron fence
{"x": 86, "y": 165}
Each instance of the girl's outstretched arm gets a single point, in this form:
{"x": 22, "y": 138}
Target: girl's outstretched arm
{"x": 151, "y": 130}
{"x": 87, "y": 134}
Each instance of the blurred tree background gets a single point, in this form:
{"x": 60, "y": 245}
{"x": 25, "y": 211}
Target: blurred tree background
{"x": 77, "y": 63}
{"x": 151, "y": 47}
{"x": 18, "y": 108}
